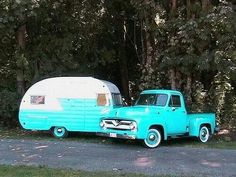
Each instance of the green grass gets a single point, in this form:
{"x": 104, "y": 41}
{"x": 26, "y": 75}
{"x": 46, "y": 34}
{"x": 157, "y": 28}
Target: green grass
{"x": 219, "y": 141}
{"x": 215, "y": 142}
{"x": 25, "y": 171}
{"x": 46, "y": 135}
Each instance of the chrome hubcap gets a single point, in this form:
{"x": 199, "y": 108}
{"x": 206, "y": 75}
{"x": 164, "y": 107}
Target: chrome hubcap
{"x": 203, "y": 133}
{"x": 152, "y": 137}
{"x": 59, "y": 130}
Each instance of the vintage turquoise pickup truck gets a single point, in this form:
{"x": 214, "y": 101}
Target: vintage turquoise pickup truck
{"x": 158, "y": 115}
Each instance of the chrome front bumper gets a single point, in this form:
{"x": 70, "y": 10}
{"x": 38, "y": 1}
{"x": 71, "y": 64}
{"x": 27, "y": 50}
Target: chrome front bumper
{"x": 115, "y": 135}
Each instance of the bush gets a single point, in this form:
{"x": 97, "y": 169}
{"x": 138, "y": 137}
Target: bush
{"x": 228, "y": 113}
{"x": 9, "y": 102}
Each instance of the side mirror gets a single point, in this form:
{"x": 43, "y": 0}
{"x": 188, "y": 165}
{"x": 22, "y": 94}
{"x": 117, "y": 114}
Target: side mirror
{"x": 124, "y": 103}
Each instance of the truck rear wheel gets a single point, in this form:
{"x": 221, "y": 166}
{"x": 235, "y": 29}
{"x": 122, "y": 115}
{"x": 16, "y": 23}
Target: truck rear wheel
{"x": 59, "y": 132}
{"x": 204, "y": 134}
{"x": 153, "y": 138}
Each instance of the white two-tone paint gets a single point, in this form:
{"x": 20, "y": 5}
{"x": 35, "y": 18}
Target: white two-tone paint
{"x": 70, "y": 102}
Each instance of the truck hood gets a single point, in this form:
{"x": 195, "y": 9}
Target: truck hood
{"x": 131, "y": 113}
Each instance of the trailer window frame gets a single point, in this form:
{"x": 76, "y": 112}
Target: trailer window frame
{"x": 37, "y": 99}
{"x": 102, "y": 99}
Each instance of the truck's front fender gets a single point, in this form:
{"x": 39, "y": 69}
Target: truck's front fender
{"x": 145, "y": 126}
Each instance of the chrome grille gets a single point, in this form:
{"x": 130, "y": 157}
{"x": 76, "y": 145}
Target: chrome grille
{"x": 118, "y": 124}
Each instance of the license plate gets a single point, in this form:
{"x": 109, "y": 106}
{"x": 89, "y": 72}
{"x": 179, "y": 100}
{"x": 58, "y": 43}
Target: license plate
{"x": 113, "y": 135}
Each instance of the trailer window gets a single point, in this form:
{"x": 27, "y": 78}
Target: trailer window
{"x": 117, "y": 100}
{"x": 101, "y": 100}
{"x": 37, "y": 99}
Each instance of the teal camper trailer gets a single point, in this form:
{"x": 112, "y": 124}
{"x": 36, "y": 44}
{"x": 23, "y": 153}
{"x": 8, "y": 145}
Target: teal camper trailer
{"x": 65, "y": 104}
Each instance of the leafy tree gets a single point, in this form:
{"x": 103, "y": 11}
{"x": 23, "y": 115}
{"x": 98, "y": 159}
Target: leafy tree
{"x": 193, "y": 52}
{"x": 184, "y": 45}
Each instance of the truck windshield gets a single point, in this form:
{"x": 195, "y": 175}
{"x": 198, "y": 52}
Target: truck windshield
{"x": 117, "y": 100}
{"x": 152, "y": 99}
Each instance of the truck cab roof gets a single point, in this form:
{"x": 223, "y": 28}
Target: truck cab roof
{"x": 160, "y": 91}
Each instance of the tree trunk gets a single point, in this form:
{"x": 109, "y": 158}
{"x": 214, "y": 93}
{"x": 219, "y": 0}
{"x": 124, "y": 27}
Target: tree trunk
{"x": 21, "y": 36}
{"x": 135, "y": 41}
{"x": 189, "y": 89}
{"x": 172, "y": 74}
{"x": 205, "y": 5}
{"x": 36, "y": 70}
{"x": 20, "y": 82}
{"x": 124, "y": 78}
{"x": 21, "y": 40}
{"x": 178, "y": 77}
{"x": 172, "y": 79}
{"x": 142, "y": 43}
{"x": 147, "y": 67}
{"x": 149, "y": 52}
{"x": 148, "y": 56}
{"x": 173, "y": 8}
{"x": 123, "y": 65}
{"x": 188, "y": 2}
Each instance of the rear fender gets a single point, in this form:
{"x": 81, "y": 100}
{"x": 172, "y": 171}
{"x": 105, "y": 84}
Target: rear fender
{"x": 195, "y": 124}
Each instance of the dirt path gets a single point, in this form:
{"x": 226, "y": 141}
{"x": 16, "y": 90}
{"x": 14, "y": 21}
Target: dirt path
{"x": 135, "y": 159}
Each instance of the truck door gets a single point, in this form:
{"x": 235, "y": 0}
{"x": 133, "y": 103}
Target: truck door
{"x": 176, "y": 115}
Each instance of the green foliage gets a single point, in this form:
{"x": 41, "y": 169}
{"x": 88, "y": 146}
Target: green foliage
{"x": 228, "y": 111}
{"x": 9, "y": 102}
{"x": 147, "y": 39}
{"x": 199, "y": 46}
{"x": 44, "y": 171}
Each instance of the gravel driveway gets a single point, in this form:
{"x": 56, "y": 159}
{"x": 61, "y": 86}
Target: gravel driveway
{"x": 119, "y": 157}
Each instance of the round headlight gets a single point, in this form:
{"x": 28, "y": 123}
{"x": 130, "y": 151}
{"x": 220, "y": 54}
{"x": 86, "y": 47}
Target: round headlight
{"x": 102, "y": 124}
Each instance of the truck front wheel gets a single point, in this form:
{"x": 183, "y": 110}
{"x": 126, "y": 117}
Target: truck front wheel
{"x": 59, "y": 132}
{"x": 153, "y": 138}
{"x": 204, "y": 134}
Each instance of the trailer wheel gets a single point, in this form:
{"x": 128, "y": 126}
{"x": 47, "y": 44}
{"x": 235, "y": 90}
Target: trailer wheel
{"x": 204, "y": 134}
{"x": 59, "y": 132}
{"x": 153, "y": 138}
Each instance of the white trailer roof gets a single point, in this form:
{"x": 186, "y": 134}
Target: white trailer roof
{"x": 72, "y": 86}
{"x": 66, "y": 87}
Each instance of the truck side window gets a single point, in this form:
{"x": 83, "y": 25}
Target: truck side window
{"x": 101, "y": 100}
{"x": 161, "y": 99}
{"x": 175, "y": 101}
